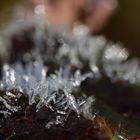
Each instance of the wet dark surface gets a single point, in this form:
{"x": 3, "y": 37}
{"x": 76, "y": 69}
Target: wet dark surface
{"x": 122, "y": 98}
{"x": 29, "y": 124}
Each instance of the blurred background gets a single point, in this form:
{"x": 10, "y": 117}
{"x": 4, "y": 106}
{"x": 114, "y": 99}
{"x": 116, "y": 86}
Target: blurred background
{"x": 124, "y": 26}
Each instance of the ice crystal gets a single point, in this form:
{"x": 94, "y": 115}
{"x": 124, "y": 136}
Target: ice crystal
{"x": 87, "y": 108}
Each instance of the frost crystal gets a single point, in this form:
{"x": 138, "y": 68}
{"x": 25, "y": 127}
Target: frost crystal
{"x": 8, "y": 106}
{"x": 87, "y": 108}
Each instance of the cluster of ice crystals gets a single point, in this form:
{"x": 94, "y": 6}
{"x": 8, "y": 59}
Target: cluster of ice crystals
{"x": 96, "y": 51}
{"x": 79, "y": 49}
{"x": 128, "y": 71}
{"x": 7, "y": 107}
{"x": 115, "y": 53}
{"x": 85, "y": 50}
{"x": 58, "y": 90}
{"x": 118, "y": 67}
{"x": 17, "y": 76}
{"x": 54, "y": 91}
